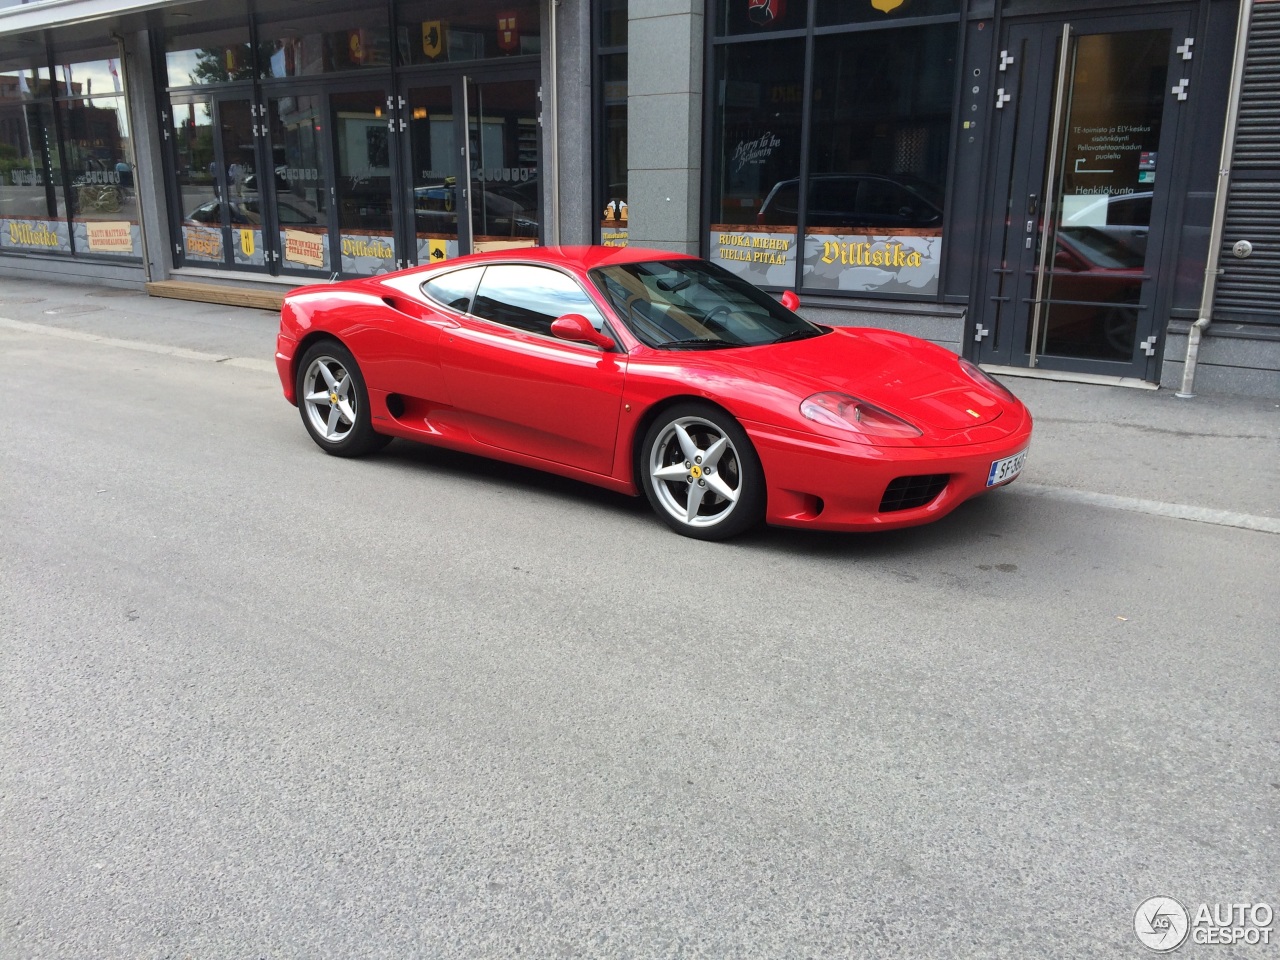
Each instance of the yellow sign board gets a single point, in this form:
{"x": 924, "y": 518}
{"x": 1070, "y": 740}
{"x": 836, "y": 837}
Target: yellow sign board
{"x": 304, "y": 248}
{"x": 433, "y": 38}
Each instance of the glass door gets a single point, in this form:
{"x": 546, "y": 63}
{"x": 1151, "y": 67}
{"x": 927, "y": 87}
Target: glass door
{"x": 201, "y": 184}
{"x": 298, "y": 189}
{"x": 503, "y": 162}
{"x": 240, "y": 182}
{"x": 217, "y": 165}
{"x": 1088, "y": 116}
{"x": 434, "y": 163}
{"x": 472, "y": 156}
{"x": 362, "y": 125}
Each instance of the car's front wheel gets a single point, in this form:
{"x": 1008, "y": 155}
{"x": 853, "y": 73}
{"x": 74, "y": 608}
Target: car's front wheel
{"x": 334, "y": 403}
{"x": 701, "y": 473}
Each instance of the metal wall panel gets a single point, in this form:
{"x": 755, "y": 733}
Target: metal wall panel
{"x": 1249, "y": 287}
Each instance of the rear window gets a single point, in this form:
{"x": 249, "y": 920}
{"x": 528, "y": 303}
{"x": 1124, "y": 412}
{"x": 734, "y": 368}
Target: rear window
{"x": 455, "y": 288}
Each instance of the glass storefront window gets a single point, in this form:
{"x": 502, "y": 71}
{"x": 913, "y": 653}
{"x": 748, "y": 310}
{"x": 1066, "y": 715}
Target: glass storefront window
{"x": 198, "y": 186}
{"x": 613, "y": 23}
{"x": 436, "y": 194}
{"x": 502, "y": 129}
{"x": 99, "y": 153}
{"x": 878, "y": 159}
{"x": 327, "y": 37}
{"x": 756, "y": 159}
{"x": 447, "y": 31}
{"x": 87, "y": 79}
{"x": 204, "y": 46}
{"x": 614, "y": 223}
{"x": 299, "y": 177}
{"x": 29, "y": 190}
{"x": 19, "y": 82}
{"x": 75, "y": 115}
{"x": 865, "y": 213}
{"x": 735, "y": 17}
{"x": 362, "y": 144}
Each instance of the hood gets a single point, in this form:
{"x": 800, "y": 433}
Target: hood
{"x": 912, "y": 378}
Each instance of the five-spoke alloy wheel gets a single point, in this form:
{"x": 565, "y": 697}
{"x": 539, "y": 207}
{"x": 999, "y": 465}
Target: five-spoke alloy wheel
{"x": 334, "y": 403}
{"x": 701, "y": 473}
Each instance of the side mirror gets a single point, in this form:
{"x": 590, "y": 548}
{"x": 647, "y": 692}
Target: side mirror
{"x": 791, "y": 301}
{"x": 578, "y": 329}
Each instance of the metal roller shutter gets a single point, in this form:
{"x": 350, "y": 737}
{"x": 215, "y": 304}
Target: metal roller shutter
{"x": 1249, "y": 289}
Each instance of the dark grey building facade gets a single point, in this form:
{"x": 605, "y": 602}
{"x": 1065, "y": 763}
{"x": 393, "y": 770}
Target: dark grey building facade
{"x": 1087, "y": 191}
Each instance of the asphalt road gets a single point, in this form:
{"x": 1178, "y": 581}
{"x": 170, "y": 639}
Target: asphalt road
{"x": 260, "y": 702}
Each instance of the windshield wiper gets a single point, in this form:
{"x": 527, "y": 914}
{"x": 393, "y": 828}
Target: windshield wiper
{"x": 797, "y": 335}
{"x": 705, "y": 343}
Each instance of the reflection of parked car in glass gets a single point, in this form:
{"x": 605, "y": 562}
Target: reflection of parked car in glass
{"x": 1093, "y": 294}
{"x": 508, "y": 210}
{"x": 857, "y": 201}
{"x": 1125, "y": 218}
{"x": 250, "y": 182}
{"x": 248, "y": 213}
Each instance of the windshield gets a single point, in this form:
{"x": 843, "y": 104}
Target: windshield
{"x": 692, "y": 304}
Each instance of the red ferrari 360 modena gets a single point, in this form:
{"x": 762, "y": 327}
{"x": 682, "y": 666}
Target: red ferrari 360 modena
{"x": 657, "y": 372}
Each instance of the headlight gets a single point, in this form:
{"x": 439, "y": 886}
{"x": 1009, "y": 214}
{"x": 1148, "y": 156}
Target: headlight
{"x": 857, "y": 416}
{"x": 976, "y": 374}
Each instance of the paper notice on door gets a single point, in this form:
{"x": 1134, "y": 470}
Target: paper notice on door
{"x": 304, "y": 248}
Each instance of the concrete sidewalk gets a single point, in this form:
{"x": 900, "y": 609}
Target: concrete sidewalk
{"x": 1220, "y": 455}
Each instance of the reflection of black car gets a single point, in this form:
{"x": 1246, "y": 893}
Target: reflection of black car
{"x": 250, "y": 183}
{"x": 856, "y": 201}
{"x": 248, "y": 213}
{"x": 509, "y": 210}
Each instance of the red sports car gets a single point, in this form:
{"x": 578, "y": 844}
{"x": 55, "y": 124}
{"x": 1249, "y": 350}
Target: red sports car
{"x": 639, "y": 370}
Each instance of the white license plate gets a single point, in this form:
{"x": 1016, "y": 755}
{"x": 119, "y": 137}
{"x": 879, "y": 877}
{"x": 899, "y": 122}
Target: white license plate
{"x": 1002, "y": 471}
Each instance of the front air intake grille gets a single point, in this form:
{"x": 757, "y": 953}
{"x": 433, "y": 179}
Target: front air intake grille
{"x": 907, "y": 493}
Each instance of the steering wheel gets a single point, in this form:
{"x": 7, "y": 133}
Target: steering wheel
{"x": 709, "y": 318}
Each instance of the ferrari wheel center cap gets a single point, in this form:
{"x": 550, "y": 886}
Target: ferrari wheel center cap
{"x": 695, "y": 471}
{"x": 333, "y": 398}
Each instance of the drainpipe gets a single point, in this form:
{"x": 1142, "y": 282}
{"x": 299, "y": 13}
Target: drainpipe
{"x": 553, "y": 111}
{"x": 1211, "y": 270}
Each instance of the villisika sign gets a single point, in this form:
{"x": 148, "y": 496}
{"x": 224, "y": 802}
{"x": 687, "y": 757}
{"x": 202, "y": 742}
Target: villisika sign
{"x": 367, "y": 254}
{"x": 43, "y": 236}
{"x": 847, "y": 262}
{"x": 863, "y": 263}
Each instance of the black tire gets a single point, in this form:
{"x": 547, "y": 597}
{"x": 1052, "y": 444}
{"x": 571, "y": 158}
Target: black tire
{"x": 338, "y": 422}
{"x": 729, "y": 498}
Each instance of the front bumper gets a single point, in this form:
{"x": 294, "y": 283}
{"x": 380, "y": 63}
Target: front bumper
{"x": 828, "y": 484}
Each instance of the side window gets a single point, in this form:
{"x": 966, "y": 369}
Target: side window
{"x": 531, "y": 298}
{"x": 455, "y": 288}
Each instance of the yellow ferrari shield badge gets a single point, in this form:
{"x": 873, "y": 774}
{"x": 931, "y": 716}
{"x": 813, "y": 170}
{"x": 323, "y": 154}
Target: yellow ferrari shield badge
{"x": 246, "y": 242}
{"x": 887, "y": 6}
{"x": 433, "y": 38}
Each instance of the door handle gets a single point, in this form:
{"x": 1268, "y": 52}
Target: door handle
{"x": 1031, "y": 205}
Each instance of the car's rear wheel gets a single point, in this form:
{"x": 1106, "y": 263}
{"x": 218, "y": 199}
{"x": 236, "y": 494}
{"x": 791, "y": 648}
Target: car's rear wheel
{"x": 701, "y": 473}
{"x": 334, "y": 403}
